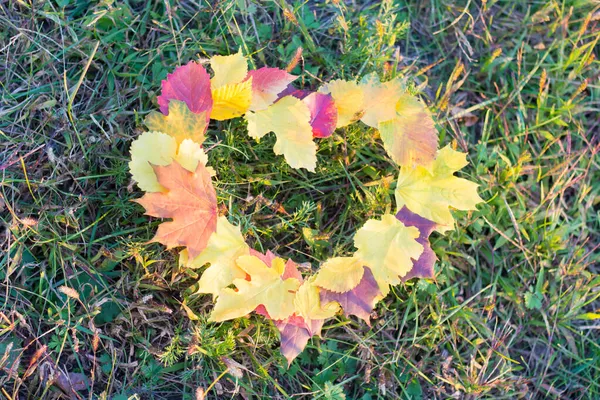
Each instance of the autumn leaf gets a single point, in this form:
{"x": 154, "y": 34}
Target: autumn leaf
{"x": 289, "y": 118}
{"x": 323, "y": 114}
{"x": 359, "y": 301}
{"x": 423, "y": 267}
{"x": 306, "y": 321}
{"x": 228, "y": 69}
{"x": 157, "y": 148}
{"x": 307, "y": 303}
{"x": 190, "y": 200}
{"x": 431, "y": 191}
{"x": 340, "y": 274}
{"x": 231, "y": 94}
{"x": 349, "y": 100}
{"x": 294, "y": 335}
{"x": 380, "y": 99}
{"x": 410, "y": 138}
{"x": 189, "y": 83}
{"x": 267, "y": 84}
{"x": 180, "y": 123}
{"x": 231, "y": 101}
{"x": 387, "y": 247}
{"x": 224, "y": 247}
{"x": 265, "y": 287}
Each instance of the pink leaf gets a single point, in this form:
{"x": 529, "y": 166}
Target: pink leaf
{"x": 359, "y": 301}
{"x": 189, "y": 83}
{"x": 423, "y": 267}
{"x": 323, "y": 114}
{"x": 268, "y": 83}
{"x": 295, "y": 333}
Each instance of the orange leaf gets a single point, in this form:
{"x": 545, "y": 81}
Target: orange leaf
{"x": 190, "y": 200}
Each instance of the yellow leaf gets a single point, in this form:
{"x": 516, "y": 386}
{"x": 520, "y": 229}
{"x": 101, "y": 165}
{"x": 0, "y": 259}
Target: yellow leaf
{"x": 387, "y": 247}
{"x": 289, "y": 118}
{"x": 340, "y": 274}
{"x": 181, "y": 123}
{"x": 265, "y": 287}
{"x": 307, "y": 303}
{"x": 158, "y": 148}
{"x": 349, "y": 100}
{"x": 224, "y": 247}
{"x": 228, "y": 69}
{"x": 231, "y": 100}
{"x": 380, "y": 99}
{"x": 431, "y": 191}
{"x": 410, "y": 138}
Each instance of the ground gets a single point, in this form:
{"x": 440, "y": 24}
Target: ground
{"x": 513, "y": 311}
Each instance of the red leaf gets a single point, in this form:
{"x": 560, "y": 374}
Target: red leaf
{"x": 323, "y": 114}
{"x": 189, "y": 83}
{"x": 190, "y": 200}
{"x": 423, "y": 267}
{"x": 359, "y": 301}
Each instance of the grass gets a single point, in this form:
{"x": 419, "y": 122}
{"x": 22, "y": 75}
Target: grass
{"x": 513, "y": 311}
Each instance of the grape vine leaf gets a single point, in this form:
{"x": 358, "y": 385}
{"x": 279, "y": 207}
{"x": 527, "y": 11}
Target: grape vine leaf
{"x": 359, "y": 301}
{"x": 231, "y": 101}
{"x": 340, "y": 274}
{"x": 423, "y": 267}
{"x": 266, "y": 287}
{"x": 224, "y": 247}
{"x": 289, "y": 118}
{"x": 189, "y": 83}
{"x": 180, "y": 123}
{"x": 190, "y": 200}
{"x": 228, "y": 69}
{"x": 349, "y": 100}
{"x": 267, "y": 84}
{"x": 231, "y": 94}
{"x": 387, "y": 247}
{"x": 431, "y": 191}
{"x": 410, "y": 138}
{"x": 157, "y": 148}
{"x": 323, "y": 114}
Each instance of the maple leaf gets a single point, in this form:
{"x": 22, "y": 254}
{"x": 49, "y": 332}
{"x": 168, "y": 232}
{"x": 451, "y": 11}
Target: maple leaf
{"x": 431, "y": 191}
{"x": 340, "y": 274}
{"x": 387, "y": 247}
{"x": 190, "y": 200}
{"x": 267, "y": 84}
{"x": 294, "y": 335}
{"x": 410, "y": 138}
{"x": 189, "y": 83}
{"x": 380, "y": 99}
{"x": 231, "y": 101}
{"x": 289, "y": 118}
{"x": 307, "y": 303}
{"x": 423, "y": 267}
{"x": 265, "y": 287}
{"x": 307, "y": 320}
{"x": 180, "y": 122}
{"x": 323, "y": 114}
{"x": 157, "y": 148}
{"x": 224, "y": 247}
{"x": 359, "y": 301}
{"x": 349, "y": 100}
